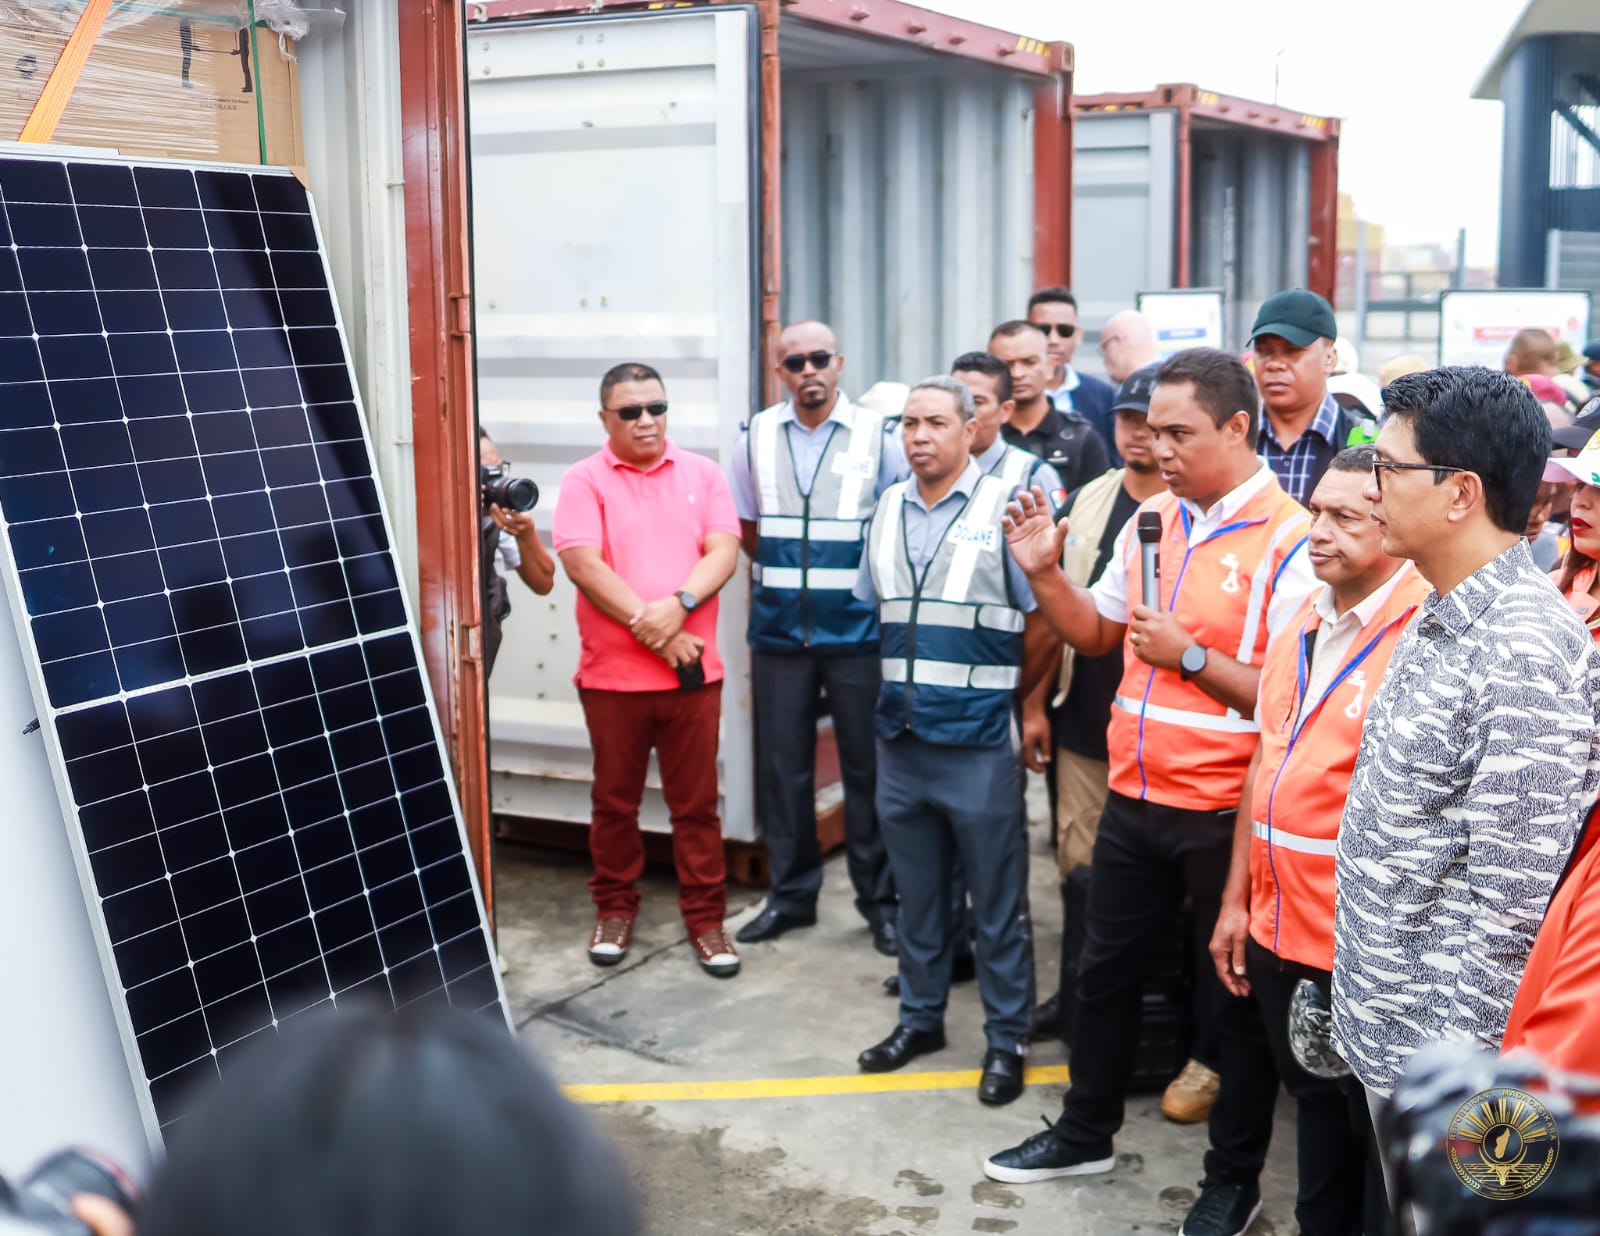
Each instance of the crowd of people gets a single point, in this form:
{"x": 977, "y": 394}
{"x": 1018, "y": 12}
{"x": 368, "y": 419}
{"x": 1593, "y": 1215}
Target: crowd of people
{"x": 1348, "y": 727}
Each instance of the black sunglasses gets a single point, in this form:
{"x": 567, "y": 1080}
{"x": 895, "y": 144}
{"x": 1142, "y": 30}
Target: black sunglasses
{"x": 798, "y": 362}
{"x": 1060, "y": 328}
{"x": 1380, "y": 465}
{"x": 633, "y": 411}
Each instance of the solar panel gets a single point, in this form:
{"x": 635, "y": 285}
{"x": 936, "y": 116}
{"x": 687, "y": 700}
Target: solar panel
{"x": 202, "y": 571}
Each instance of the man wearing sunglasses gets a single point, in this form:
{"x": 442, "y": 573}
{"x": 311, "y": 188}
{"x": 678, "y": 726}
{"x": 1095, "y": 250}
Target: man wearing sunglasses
{"x": 806, "y": 476}
{"x": 1055, "y": 311}
{"x": 648, "y": 535}
{"x": 1480, "y": 755}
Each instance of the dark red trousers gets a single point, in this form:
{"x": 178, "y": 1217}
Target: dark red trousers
{"x": 682, "y": 728}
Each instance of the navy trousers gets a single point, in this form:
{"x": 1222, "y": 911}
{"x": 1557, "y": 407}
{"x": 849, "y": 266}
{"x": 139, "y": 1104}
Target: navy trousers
{"x": 937, "y": 803}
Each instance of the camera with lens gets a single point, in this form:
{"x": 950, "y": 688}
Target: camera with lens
{"x": 42, "y": 1202}
{"x": 497, "y": 487}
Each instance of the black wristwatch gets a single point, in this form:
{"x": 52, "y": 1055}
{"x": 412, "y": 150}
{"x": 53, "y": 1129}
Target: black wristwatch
{"x": 1194, "y": 661}
{"x": 687, "y": 600}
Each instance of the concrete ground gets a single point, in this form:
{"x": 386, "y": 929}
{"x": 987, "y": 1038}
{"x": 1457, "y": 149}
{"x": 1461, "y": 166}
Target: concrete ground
{"x": 831, "y": 1164}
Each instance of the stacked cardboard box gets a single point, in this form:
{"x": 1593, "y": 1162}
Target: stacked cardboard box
{"x": 183, "y": 80}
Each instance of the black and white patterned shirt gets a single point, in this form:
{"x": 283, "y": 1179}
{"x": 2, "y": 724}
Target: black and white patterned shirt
{"x": 1479, "y": 762}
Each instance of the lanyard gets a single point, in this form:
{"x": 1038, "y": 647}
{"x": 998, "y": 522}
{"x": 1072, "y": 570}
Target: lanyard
{"x": 1300, "y": 674}
{"x": 1188, "y": 526}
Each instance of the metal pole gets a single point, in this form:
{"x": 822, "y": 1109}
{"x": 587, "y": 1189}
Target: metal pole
{"x": 1458, "y": 274}
{"x": 1361, "y": 285}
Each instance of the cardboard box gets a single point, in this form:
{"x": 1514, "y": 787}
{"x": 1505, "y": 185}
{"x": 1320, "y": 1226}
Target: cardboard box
{"x": 180, "y": 80}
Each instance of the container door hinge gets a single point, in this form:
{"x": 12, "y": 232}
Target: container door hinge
{"x": 461, "y": 315}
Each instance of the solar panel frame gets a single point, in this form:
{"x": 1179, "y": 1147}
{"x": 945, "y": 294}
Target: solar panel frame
{"x": 369, "y": 733}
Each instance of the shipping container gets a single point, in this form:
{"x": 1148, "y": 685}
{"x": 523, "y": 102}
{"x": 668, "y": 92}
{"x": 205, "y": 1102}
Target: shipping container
{"x": 1181, "y": 187}
{"x": 668, "y": 184}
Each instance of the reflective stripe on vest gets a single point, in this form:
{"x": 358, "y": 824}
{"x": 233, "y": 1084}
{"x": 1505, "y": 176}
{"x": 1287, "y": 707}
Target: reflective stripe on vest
{"x": 810, "y": 531}
{"x": 950, "y": 635}
{"x": 1169, "y": 741}
{"x": 1308, "y": 755}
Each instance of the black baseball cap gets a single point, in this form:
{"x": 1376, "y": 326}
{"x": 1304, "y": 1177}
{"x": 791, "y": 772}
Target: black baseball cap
{"x": 1575, "y": 437}
{"x": 1134, "y": 393}
{"x": 1591, "y": 350}
{"x": 1297, "y": 315}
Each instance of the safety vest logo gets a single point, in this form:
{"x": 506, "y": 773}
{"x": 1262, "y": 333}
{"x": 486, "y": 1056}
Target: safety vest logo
{"x": 1231, "y": 583}
{"x": 1358, "y": 680}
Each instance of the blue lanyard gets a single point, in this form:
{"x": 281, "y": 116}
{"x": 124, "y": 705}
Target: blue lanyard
{"x": 1300, "y": 674}
{"x": 1188, "y": 526}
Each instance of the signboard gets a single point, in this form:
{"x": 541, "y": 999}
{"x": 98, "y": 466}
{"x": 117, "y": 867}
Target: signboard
{"x": 1190, "y": 318}
{"x": 1476, "y": 327}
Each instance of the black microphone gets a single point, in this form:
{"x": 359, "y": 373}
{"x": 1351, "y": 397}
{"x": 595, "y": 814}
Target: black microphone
{"x": 1150, "y": 556}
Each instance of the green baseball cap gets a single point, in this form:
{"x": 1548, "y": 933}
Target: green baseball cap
{"x": 1297, "y": 315}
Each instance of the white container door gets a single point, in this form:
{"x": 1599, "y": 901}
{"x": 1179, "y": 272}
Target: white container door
{"x": 614, "y": 219}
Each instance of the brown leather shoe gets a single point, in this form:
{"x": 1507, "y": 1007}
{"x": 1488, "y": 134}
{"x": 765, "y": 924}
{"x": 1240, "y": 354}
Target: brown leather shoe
{"x": 715, "y": 953}
{"x": 1189, "y": 1098}
{"x": 608, "y": 942}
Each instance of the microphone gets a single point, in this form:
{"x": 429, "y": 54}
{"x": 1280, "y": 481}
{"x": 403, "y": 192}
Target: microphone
{"x": 1150, "y": 556}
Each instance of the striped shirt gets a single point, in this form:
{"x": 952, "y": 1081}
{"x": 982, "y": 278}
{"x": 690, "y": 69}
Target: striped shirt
{"x": 1479, "y": 761}
{"x": 1294, "y": 465}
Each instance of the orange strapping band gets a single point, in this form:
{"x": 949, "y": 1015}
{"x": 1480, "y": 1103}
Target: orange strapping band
{"x": 52, "y": 101}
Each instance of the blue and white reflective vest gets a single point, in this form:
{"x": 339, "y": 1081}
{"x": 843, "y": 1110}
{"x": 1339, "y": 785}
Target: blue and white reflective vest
{"x": 809, "y": 551}
{"x": 1017, "y": 468}
{"x": 952, "y": 638}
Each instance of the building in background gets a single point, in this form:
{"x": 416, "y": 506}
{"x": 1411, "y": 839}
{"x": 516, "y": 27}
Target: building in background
{"x": 1547, "y": 73}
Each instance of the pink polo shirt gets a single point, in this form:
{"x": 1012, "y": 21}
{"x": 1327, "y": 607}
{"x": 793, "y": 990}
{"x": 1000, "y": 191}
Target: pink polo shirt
{"x": 650, "y": 526}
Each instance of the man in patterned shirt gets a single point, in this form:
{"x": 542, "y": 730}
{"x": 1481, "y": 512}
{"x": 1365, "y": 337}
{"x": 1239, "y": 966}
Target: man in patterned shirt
{"x": 1480, "y": 756}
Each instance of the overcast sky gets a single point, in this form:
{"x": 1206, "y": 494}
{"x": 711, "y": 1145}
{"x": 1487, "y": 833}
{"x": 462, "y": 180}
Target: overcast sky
{"x": 1418, "y": 154}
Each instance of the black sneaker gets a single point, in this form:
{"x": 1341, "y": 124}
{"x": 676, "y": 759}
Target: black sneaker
{"x": 1045, "y": 1157}
{"x": 1222, "y": 1210}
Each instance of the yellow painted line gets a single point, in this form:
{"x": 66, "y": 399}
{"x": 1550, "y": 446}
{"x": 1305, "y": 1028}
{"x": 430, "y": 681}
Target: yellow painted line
{"x": 797, "y": 1087}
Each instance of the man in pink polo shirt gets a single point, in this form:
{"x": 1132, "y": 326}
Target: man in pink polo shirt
{"x": 648, "y": 534}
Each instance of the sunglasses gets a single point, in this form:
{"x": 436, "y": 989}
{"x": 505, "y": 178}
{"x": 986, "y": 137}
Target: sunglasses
{"x": 1060, "y": 329}
{"x": 1379, "y": 466}
{"x": 633, "y": 411}
{"x": 798, "y": 362}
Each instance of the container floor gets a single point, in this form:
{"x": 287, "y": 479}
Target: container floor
{"x": 740, "y": 1109}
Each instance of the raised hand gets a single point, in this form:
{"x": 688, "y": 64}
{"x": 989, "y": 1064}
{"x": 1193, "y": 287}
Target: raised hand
{"x": 1034, "y": 537}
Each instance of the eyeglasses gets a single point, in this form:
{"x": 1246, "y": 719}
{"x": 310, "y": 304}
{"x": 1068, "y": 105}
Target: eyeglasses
{"x": 798, "y": 362}
{"x": 633, "y": 411}
{"x": 1379, "y": 466}
{"x": 1061, "y": 329}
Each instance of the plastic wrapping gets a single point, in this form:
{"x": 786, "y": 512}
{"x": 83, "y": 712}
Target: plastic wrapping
{"x": 291, "y": 22}
{"x": 182, "y": 79}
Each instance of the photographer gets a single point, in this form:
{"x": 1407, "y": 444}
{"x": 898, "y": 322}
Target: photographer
{"x": 506, "y": 537}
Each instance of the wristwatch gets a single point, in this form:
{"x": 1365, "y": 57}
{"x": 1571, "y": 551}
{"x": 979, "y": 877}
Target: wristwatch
{"x": 687, "y": 600}
{"x": 1194, "y": 661}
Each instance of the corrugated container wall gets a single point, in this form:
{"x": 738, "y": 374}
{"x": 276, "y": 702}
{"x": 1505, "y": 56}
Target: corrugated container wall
{"x": 617, "y": 203}
{"x": 907, "y": 203}
{"x": 1166, "y": 197}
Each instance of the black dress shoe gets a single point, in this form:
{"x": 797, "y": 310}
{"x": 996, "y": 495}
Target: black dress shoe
{"x": 772, "y": 923}
{"x": 900, "y": 1049}
{"x": 1047, "y": 1018}
{"x": 964, "y": 968}
{"x": 891, "y": 985}
{"x": 1002, "y": 1077}
{"x": 885, "y": 938}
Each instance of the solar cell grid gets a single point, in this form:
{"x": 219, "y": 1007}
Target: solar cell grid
{"x": 199, "y": 551}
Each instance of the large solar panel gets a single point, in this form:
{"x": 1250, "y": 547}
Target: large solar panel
{"x": 201, "y": 568}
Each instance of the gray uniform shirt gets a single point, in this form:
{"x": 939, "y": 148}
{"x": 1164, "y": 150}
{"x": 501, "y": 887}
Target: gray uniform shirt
{"x": 1479, "y": 762}
{"x": 925, "y": 528}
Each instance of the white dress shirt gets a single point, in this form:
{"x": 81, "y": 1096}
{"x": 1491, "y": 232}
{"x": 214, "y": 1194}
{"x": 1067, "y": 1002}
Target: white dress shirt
{"x": 1295, "y": 581}
{"x": 1338, "y": 632}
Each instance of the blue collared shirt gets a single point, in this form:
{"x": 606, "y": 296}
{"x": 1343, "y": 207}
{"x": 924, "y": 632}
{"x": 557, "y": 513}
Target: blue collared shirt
{"x": 1293, "y": 465}
{"x": 925, "y": 527}
{"x": 807, "y": 446}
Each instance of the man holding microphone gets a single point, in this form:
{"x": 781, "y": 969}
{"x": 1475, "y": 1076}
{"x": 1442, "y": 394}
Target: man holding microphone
{"x": 1233, "y": 570}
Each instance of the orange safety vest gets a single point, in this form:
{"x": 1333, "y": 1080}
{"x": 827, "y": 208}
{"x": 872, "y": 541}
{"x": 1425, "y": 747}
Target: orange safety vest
{"x": 1307, "y": 759}
{"x": 1557, "y": 1010}
{"x": 1170, "y": 742}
